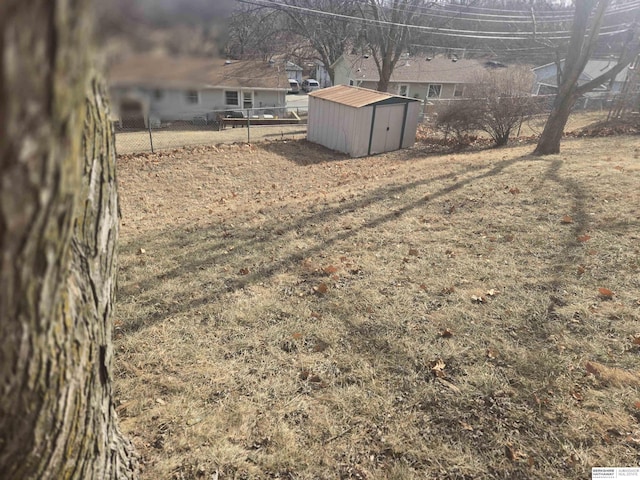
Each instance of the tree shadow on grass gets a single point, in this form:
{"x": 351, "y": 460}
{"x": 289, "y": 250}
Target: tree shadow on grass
{"x": 248, "y": 242}
{"x": 369, "y": 339}
{"x": 304, "y": 153}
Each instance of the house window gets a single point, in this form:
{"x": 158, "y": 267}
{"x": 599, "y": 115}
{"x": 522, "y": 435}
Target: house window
{"x": 247, "y": 100}
{"x": 403, "y": 90}
{"x": 231, "y": 97}
{"x": 434, "y": 91}
{"x": 458, "y": 91}
{"x": 192, "y": 96}
{"x": 351, "y": 82}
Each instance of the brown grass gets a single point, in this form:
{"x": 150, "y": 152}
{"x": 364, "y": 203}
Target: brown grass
{"x": 285, "y": 312}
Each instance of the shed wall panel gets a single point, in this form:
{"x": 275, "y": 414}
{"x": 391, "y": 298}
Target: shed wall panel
{"x": 313, "y": 122}
{"x": 361, "y": 131}
{"x": 411, "y": 125}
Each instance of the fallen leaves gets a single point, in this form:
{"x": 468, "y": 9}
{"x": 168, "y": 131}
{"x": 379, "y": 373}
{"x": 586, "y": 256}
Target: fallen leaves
{"x": 566, "y": 220}
{"x": 612, "y": 376}
{"x": 483, "y": 297}
{"x": 605, "y": 293}
{"x": 492, "y": 353}
{"x": 465, "y": 426}
{"x": 437, "y": 368}
{"x": 321, "y": 288}
{"x": 446, "y": 333}
{"x": 584, "y": 238}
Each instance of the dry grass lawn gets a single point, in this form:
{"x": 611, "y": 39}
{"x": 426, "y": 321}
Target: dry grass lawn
{"x": 285, "y": 312}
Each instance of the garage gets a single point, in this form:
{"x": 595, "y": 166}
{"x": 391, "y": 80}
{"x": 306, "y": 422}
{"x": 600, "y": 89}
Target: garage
{"x": 361, "y": 122}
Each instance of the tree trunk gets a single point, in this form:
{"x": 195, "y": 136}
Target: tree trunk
{"x": 385, "y": 75}
{"x": 549, "y": 141}
{"x": 58, "y": 232}
{"x": 588, "y": 18}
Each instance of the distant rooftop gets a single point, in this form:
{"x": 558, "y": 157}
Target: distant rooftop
{"x": 419, "y": 69}
{"x": 195, "y": 72}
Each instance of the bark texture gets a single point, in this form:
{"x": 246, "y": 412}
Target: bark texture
{"x": 58, "y": 232}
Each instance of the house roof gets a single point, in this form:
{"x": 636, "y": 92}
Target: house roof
{"x": 357, "y": 96}
{"x": 594, "y": 68}
{"x": 417, "y": 69}
{"x": 293, "y": 67}
{"x": 195, "y": 72}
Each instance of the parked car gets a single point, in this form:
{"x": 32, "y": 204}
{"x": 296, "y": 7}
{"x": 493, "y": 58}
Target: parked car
{"x": 294, "y": 86}
{"x": 309, "y": 85}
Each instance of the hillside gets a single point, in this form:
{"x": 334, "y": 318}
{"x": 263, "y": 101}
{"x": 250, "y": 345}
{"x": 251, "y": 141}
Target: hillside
{"x": 284, "y": 312}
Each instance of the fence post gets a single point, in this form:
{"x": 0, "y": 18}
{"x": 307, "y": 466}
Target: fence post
{"x": 150, "y": 136}
{"x": 248, "y": 126}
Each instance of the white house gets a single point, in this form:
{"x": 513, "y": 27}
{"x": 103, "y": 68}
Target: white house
{"x": 294, "y": 71}
{"x": 361, "y": 122}
{"x": 164, "y": 89}
{"x": 546, "y": 82}
{"x": 424, "y": 77}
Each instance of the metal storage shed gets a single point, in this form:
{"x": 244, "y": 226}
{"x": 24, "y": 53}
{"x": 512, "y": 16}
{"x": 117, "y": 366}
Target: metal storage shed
{"x": 361, "y": 122}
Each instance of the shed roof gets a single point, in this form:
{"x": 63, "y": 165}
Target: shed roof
{"x": 357, "y": 96}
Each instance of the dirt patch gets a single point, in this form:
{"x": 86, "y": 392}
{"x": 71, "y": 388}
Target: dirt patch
{"x": 286, "y": 312}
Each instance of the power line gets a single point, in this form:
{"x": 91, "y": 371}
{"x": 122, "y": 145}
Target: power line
{"x": 474, "y": 34}
{"x": 524, "y": 16}
{"x": 526, "y": 13}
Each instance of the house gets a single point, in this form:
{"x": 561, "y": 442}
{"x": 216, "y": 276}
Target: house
{"x": 546, "y": 82}
{"x": 424, "y": 77}
{"x": 321, "y": 74}
{"x": 161, "y": 89}
{"x": 294, "y": 71}
{"x": 361, "y": 122}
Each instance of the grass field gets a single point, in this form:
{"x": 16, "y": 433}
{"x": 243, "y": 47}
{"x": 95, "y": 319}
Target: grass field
{"x": 285, "y": 312}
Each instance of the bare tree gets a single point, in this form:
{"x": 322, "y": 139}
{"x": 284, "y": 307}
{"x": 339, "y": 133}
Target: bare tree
{"x": 588, "y": 19}
{"x": 255, "y": 31}
{"x": 503, "y": 99}
{"x": 387, "y": 34}
{"x": 330, "y": 33}
{"x": 58, "y": 232}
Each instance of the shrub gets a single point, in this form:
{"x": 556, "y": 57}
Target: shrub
{"x": 496, "y": 103}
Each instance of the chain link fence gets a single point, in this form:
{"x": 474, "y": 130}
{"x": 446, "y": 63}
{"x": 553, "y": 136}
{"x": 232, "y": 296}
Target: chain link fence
{"x": 136, "y": 133}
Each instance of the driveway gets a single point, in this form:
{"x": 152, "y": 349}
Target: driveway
{"x": 298, "y": 102}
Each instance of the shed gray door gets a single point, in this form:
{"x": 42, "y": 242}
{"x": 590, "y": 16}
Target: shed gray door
{"x": 387, "y": 128}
